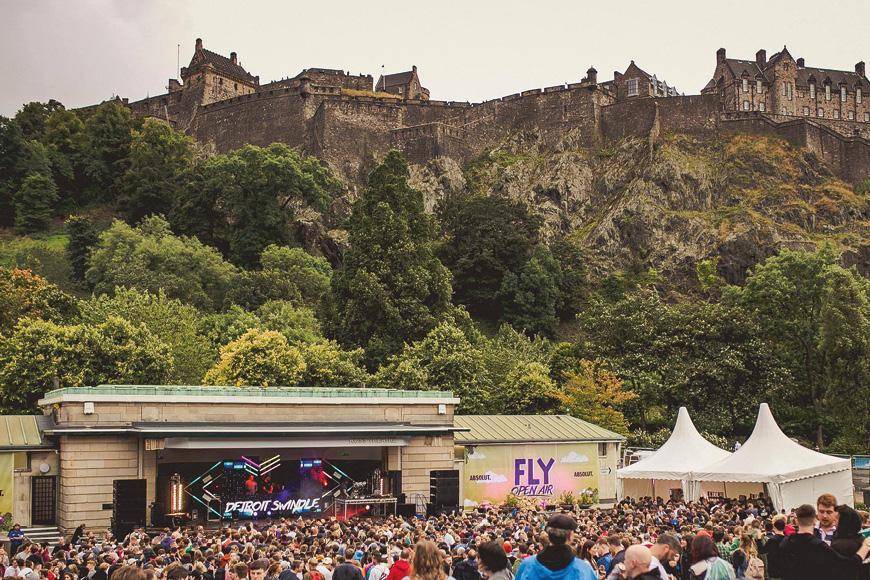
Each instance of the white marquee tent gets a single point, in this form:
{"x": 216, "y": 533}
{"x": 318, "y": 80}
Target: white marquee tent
{"x": 670, "y": 467}
{"x": 793, "y": 474}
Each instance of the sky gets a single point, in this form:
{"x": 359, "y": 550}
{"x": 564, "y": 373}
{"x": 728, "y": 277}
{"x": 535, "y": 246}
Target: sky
{"x": 82, "y": 52}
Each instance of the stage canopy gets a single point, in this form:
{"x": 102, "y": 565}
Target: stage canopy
{"x": 794, "y": 475}
{"x": 671, "y": 466}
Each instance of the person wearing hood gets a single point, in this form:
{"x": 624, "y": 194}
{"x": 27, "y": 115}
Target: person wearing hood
{"x": 557, "y": 561}
{"x": 402, "y": 567}
{"x": 807, "y": 557}
{"x": 847, "y": 540}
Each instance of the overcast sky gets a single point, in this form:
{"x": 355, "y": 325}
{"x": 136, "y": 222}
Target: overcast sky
{"x": 85, "y": 51}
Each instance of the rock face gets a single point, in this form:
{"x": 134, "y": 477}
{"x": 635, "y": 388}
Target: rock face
{"x": 671, "y": 204}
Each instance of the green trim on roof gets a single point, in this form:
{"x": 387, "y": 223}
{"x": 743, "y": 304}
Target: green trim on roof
{"x": 20, "y": 432}
{"x": 211, "y": 391}
{"x": 528, "y": 428}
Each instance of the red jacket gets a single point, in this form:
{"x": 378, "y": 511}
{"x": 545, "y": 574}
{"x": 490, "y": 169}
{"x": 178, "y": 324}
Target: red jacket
{"x": 399, "y": 570}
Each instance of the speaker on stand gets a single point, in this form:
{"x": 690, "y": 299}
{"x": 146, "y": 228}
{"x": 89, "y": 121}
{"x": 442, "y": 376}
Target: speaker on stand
{"x": 128, "y": 506}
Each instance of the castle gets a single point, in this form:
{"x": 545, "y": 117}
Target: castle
{"x": 350, "y": 120}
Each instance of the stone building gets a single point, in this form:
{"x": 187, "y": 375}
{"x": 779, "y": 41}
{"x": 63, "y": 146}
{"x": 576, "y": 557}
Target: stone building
{"x": 405, "y": 84}
{"x": 783, "y": 85}
{"x": 636, "y": 83}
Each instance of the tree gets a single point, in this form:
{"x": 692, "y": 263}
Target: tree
{"x": 298, "y": 324}
{"x": 243, "y": 201}
{"x": 391, "y": 288}
{"x": 484, "y": 237}
{"x": 574, "y": 285}
{"x": 528, "y": 390}
{"x": 252, "y": 288}
{"x": 221, "y": 328}
{"x": 595, "y": 394}
{"x": 34, "y": 203}
{"x": 312, "y": 275}
{"x": 158, "y": 170}
{"x": 82, "y": 238}
{"x": 12, "y": 153}
{"x": 327, "y": 366}
{"x": 33, "y": 116}
{"x": 24, "y": 294}
{"x": 258, "y": 358}
{"x": 40, "y": 355}
{"x": 150, "y": 258}
{"x": 814, "y": 314}
{"x": 530, "y": 296}
{"x": 106, "y": 148}
{"x": 170, "y": 321}
{"x": 65, "y": 139}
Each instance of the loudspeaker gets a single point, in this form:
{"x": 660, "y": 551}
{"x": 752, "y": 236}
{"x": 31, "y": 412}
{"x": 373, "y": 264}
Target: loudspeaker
{"x": 128, "y": 506}
{"x": 394, "y": 479}
{"x": 444, "y": 488}
{"x": 406, "y": 510}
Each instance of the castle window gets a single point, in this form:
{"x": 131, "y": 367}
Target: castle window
{"x": 745, "y": 85}
{"x": 867, "y": 117}
{"x": 858, "y": 96}
{"x": 236, "y": 86}
{"x": 220, "y": 81}
{"x": 632, "y": 87}
{"x": 821, "y": 112}
{"x": 842, "y": 94}
{"x": 761, "y": 107}
{"x": 788, "y": 89}
{"x": 806, "y": 111}
{"x": 757, "y": 86}
{"x": 812, "y": 90}
{"x": 836, "y": 113}
{"x": 827, "y": 92}
{"x": 745, "y": 105}
{"x": 851, "y": 115}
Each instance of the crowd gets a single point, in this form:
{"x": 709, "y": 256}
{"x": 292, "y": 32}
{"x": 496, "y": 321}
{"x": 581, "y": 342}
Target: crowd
{"x": 636, "y": 539}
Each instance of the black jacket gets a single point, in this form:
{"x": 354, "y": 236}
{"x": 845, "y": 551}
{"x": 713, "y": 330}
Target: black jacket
{"x": 347, "y": 572}
{"x": 771, "y": 549}
{"x": 805, "y": 557}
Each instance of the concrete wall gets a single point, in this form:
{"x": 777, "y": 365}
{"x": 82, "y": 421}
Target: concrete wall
{"x": 21, "y": 483}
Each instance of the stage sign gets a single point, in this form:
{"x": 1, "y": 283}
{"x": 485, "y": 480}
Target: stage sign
{"x": 7, "y": 468}
{"x": 536, "y": 470}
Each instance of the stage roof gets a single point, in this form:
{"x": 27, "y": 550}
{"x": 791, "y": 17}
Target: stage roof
{"x": 161, "y": 429}
{"x": 22, "y": 432}
{"x": 528, "y": 429}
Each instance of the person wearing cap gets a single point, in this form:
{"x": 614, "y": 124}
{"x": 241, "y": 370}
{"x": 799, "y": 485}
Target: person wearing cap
{"x": 557, "y": 561}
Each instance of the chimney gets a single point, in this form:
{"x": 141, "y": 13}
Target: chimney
{"x": 859, "y": 68}
{"x": 761, "y": 58}
{"x": 592, "y": 75}
{"x": 720, "y": 56}
{"x": 234, "y": 58}
{"x": 800, "y": 62}
{"x": 414, "y": 68}
{"x": 198, "y": 44}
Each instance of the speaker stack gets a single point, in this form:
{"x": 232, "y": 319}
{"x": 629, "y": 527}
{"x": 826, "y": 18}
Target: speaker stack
{"x": 444, "y": 490}
{"x": 128, "y": 506}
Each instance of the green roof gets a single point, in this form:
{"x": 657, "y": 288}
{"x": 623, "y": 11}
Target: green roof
{"x": 212, "y": 391}
{"x": 21, "y": 432}
{"x": 528, "y": 428}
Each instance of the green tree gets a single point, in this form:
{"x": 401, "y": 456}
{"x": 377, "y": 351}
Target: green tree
{"x": 173, "y": 323}
{"x": 391, "y": 288}
{"x": 25, "y": 294}
{"x": 32, "y": 117}
{"x": 528, "y": 390}
{"x": 41, "y": 355}
{"x": 484, "y": 237}
{"x": 150, "y": 258}
{"x": 258, "y": 358}
{"x": 65, "y": 137}
{"x": 82, "y": 238}
{"x": 312, "y": 275}
{"x": 530, "y": 296}
{"x": 221, "y": 328}
{"x": 327, "y": 366}
{"x": 12, "y": 154}
{"x": 106, "y": 149}
{"x": 595, "y": 394}
{"x": 297, "y": 323}
{"x": 253, "y": 288}
{"x": 158, "y": 170}
{"x": 814, "y": 314}
{"x": 34, "y": 203}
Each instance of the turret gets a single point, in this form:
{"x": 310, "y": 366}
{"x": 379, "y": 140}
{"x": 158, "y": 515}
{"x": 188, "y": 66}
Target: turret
{"x": 304, "y": 86}
{"x": 720, "y": 56}
{"x": 592, "y": 75}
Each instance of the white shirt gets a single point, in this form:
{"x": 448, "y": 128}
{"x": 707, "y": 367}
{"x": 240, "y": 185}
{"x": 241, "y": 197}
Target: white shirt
{"x": 654, "y": 563}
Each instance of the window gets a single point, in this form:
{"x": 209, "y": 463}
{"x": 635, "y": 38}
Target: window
{"x": 784, "y": 89}
{"x": 757, "y": 86}
{"x": 842, "y": 94}
{"x": 806, "y": 111}
{"x": 851, "y": 115}
{"x": 867, "y": 117}
{"x": 745, "y": 85}
{"x": 632, "y": 87}
{"x": 820, "y": 112}
{"x": 236, "y": 86}
{"x": 220, "y": 81}
{"x": 858, "y": 95}
{"x": 812, "y": 90}
{"x": 745, "y": 105}
{"x": 602, "y": 450}
{"x": 789, "y": 88}
{"x": 761, "y": 106}
{"x": 827, "y": 92}
{"x": 836, "y": 113}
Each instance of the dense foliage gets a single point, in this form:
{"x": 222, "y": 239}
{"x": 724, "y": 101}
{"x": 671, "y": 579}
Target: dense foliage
{"x": 177, "y": 266}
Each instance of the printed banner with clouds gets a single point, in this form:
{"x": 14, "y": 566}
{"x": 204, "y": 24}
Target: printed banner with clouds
{"x": 538, "y": 470}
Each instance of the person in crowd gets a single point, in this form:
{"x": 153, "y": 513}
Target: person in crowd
{"x": 377, "y": 570}
{"x": 745, "y": 559}
{"x": 401, "y": 568}
{"x": 806, "y": 556}
{"x": 428, "y": 563}
{"x": 706, "y": 563}
{"x": 826, "y": 508}
{"x": 558, "y": 560}
{"x": 637, "y": 565}
{"x": 665, "y": 555}
{"x": 770, "y": 548}
{"x": 493, "y": 562}
{"x": 346, "y": 570}
{"x": 466, "y": 568}
{"x": 847, "y": 539}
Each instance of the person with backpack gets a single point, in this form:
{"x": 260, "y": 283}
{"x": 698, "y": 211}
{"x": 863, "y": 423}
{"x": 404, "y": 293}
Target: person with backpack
{"x": 313, "y": 573}
{"x": 706, "y": 563}
{"x": 745, "y": 560}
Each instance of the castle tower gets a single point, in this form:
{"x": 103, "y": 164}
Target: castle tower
{"x": 212, "y": 77}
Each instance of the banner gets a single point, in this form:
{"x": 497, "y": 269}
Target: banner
{"x": 541, "y": 471}
{"x": 7, "y": 495}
